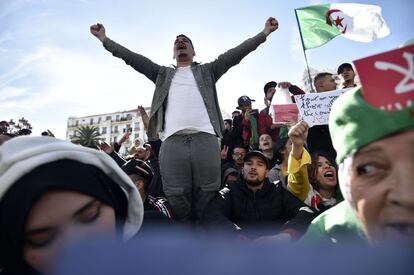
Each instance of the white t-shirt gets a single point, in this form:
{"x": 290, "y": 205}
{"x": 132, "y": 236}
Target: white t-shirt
{"x": 186, "y": 109}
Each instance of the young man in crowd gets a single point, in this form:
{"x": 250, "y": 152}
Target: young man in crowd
{"x": 141, "y": 175}
{"x": 266, "y": 125}
{"x": 347, "y": 73}
{"x": 231, "y": 171}
{"x": 319, "y": 139}
{"x": 257, "y": 209}
{"x": 267, "y": 148}
{"x": 190, "y": 153}
{"x": 247, "y": 123}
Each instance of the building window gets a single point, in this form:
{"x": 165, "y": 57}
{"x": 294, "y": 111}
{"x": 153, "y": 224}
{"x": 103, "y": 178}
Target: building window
{"x": 117, "y": 117}
{"x": 128, "y": 126}
{"x": 137, "y": 127}
{"x": 99, "y": 120}
{"x": 108, "y": 118}
{"x": 91, "y": 121}
{"x": 129, "y": 117}
{"x": 136, "y": 136}
{"x": 77, "y": 123}
{"x": 103, "y": 130}
{"x": 114, "y": 139}
{"x": 116, "y": 129}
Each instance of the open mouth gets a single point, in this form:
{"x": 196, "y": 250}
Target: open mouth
{"x": 181, "y": 47}
{"x": 329, "y": 175}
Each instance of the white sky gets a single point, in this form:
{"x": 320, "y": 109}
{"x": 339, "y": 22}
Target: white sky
{"x": 51, "y": 67}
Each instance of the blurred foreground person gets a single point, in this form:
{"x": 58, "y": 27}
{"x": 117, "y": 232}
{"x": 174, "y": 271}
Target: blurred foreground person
{"x": 53, "y": 192}
{"x": 376, "y": 171}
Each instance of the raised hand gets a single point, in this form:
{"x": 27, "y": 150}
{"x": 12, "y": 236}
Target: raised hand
{"x": 224, "y": 151}
{"x": 298, "y": 135}
{"x": 98, "y": 30}
{"x": 144, "y": 115}
{"x": 283, "y": 84}
{"x": 106, "y": 147}
{"x": 247, "y": 114}
{"x": 270, "y": 26}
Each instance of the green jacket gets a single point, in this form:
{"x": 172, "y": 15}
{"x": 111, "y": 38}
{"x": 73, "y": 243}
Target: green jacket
{"x": 206, "y": 76}
{"x": 337, "y": 225}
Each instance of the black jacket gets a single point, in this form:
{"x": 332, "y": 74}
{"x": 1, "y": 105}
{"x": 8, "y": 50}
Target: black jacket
{"x": 270, "y": 210}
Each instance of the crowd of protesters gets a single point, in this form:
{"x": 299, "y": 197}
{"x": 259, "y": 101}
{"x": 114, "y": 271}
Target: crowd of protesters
{"x": 246, "y": 178}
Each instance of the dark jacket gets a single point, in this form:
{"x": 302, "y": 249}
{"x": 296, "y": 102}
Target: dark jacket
{"x": 270, "y": 210}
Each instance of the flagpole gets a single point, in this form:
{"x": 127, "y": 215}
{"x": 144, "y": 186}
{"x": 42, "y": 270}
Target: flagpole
{"x": 304, "y": 53}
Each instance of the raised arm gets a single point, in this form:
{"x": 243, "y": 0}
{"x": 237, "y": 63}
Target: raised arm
{"x": 298, "y": 134}
{"x": 140, "y": 63}
{"x": 298, "y": 179}
{"x": 271, "y": 25}
{"x": 98, "y": 30}
{"x": 233, "y": 57}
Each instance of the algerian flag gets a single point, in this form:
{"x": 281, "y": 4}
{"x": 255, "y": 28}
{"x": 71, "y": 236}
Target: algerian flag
{"x": 319, "y": 24}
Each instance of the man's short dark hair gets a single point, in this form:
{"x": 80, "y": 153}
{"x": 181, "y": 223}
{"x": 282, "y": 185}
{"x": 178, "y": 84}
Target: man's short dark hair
{"x": 344, "y": 66}
{"x": 183, "y": 35}
{"x": 229, "y": 121}
{"x": 271, "y": 84}
{"x": 242, "y": 146}
{"x": 320, "y": 76}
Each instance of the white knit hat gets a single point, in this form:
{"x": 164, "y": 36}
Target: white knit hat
{"x": 20, "y": 155}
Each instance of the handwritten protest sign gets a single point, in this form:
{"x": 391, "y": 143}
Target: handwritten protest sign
{"x": 315, "y": 107}
{"x": 283, "y": 113}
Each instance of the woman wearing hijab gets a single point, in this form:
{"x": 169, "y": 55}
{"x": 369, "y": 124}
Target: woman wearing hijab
{"x": 53, "y": 192}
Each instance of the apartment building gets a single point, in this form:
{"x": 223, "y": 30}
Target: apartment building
{"x": 111, "y": 126}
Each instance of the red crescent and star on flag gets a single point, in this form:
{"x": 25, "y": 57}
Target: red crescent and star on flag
{"x": 337, "y": 21}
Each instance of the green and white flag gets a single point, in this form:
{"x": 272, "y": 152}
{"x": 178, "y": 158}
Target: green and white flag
{"x": 319, "y": 24}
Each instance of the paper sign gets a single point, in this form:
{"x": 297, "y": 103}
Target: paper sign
{"x": 388, "y": 78}
{"x": 283, "y": 113}
{"x": 315, "y": 107}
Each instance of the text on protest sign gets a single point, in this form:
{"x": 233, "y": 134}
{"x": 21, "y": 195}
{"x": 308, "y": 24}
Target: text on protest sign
{"x": 315, "y": 107}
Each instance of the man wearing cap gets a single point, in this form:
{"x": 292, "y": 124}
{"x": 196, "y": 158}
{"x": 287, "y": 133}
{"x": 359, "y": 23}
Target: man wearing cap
{"x": 141, "y": 175}
{"x": 376, "y": 171}
{"x": 347, "y": 73}
{"x": 266, "y": 125}
{"x": 190, "y": 153}
{"x": 247, "y": 123}
{"x": 254, "y": 208}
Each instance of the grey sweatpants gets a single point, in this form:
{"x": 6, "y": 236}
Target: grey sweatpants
{"x": 190, "y": 170}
